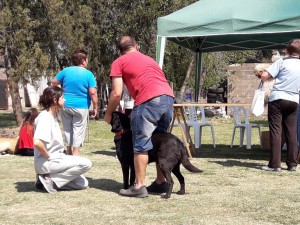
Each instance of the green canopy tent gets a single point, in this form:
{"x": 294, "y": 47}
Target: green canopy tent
{"x": 224, "y": 25}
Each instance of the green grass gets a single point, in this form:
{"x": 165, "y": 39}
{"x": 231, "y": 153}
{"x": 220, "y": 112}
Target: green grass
{"x": 231, "y": 190}
{"x": 7, "y": 119}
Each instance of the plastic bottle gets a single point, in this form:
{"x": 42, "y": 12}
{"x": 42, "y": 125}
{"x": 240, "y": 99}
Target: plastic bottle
{"x": 188, "y": 94}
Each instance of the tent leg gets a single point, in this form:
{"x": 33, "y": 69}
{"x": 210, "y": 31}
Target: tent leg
{"x": 160, "y": 50}
{"x": 199, "y": 65}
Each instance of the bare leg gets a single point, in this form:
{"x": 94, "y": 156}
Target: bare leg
{"x": 76, "y": 150}
{"x": 140, "y": 165}
{"x": 69, "y": 150}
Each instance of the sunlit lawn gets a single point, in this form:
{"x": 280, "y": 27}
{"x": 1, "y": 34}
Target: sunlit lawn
{"x": 231, "y": 190}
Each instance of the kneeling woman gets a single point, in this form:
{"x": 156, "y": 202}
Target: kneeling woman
{"x": 56, "y": 169}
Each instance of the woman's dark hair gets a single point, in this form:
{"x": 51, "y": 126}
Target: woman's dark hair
{"x": 293, "y": 47}
{"x": 47, "y": 98}
{"x": 125, "y": 43}
{"x": 30, "y": 115}
{"x": 79, "y": 56}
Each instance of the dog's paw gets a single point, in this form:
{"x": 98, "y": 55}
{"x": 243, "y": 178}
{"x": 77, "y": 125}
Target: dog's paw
{"x": 165, "y": 196}
{"x": 181, "y": 192}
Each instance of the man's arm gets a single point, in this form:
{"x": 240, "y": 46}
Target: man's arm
{"x": 114, "y": 98}
{"x": 94, "y": 97}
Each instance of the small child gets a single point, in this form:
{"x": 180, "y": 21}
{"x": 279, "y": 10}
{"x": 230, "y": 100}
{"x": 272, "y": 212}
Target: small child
{"x": 25, "y": 143}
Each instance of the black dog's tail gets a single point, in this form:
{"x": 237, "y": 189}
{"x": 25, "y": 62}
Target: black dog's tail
{"x": 185, "y": 161}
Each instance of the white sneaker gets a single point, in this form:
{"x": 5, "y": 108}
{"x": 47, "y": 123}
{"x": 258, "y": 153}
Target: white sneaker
{"x": 48, "y": 183}
{"x": 267, "y": 168}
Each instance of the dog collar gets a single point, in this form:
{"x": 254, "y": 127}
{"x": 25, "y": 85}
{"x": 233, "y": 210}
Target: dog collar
{"x": 121, "y": 132}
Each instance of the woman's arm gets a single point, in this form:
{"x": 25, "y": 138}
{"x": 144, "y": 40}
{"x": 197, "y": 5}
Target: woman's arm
{"x": 39, "y": 145}
{"x": 94, "y": 97}
{"x": 265, "y": 75}
{"x": 55, "y": 82}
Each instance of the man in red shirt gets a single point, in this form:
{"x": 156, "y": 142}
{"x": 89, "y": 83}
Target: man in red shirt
{"x": 153, "y": 108}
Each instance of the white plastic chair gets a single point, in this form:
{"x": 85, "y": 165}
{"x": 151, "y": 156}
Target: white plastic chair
{"x": 192, "y": 121}
{"x": 246, "y": 126}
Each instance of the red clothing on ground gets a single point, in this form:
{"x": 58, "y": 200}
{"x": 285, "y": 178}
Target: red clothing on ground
{"x": 142, "y": 76}
{"x": 26, "y": 136}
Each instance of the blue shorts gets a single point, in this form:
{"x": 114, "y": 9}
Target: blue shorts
{"x": 154, "y": 115}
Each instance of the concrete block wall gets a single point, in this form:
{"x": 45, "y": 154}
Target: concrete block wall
{"x": 242, "y": 84}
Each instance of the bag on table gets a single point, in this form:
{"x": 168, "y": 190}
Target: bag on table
{"x": 258, "y": 103}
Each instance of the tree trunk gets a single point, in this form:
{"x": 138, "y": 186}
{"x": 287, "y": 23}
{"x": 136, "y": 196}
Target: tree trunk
{"x": 13, "y": 88}
{"x": 202, "y": 78}
{"x": 187, "y": 76}
{"x": 16, "y": 101}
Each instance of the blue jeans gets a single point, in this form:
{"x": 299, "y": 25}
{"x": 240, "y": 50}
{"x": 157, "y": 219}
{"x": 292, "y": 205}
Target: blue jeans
{"x": 154, "y": 115}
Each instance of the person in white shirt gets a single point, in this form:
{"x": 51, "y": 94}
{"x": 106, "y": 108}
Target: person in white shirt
{"x": 55, "y": 169}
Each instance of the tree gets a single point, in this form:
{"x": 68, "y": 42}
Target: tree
{"x": 23, "y": 57}
{"x": 39, "y": 37}
{"x": 215, "y": 65}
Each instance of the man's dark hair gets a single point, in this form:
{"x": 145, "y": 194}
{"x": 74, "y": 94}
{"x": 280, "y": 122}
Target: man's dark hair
{"x": 125, "y": 43}
{"x": 293, "y": 47}
{"x": 79, "y": 56}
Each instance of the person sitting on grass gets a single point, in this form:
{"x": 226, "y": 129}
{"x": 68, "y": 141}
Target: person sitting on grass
{"x": 25, "y": 142}
{"x": 55, "y": 169}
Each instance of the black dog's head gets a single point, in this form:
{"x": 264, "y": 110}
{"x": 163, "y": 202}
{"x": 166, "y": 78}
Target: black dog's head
{"x": 119, "y": 122}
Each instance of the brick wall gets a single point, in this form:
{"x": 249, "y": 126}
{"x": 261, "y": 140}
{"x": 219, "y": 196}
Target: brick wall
{"x": 242, "y": 83}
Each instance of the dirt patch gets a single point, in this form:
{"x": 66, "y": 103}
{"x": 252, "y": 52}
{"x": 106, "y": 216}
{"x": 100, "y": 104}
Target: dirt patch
{"x": 9, "y": 132}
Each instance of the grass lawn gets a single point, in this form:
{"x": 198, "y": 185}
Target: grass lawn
{"x": 231, "y": 190}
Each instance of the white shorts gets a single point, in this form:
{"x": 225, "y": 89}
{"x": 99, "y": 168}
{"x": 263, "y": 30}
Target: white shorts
{"x": 74, "y": 122}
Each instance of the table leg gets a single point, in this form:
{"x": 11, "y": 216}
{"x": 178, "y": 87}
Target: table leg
{"x": 177, "y": 114}
{"x": 172, "y": 123}
{"x": 187, "y": 130}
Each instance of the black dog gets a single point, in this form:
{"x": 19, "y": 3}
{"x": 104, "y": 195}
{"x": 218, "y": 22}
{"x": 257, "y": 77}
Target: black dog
{"x": 123, "y": 140}
{"x": 168, "y": 152}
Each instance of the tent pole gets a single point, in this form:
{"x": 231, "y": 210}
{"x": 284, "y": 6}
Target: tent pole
{"x": 199, "y": 64}
{"x": 160, "y": 50}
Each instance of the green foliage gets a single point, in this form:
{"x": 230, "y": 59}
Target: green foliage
{"x": 24, "y": 57}
{"x": 7, "y": 120}
{"x": 215, "y": 65}
{"x": 39, "y": 37}
{"x": 177, "y": 60}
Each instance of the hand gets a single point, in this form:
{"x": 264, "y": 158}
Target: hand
{"x": 95, "y": 112}
{"x": 107, "y": 118}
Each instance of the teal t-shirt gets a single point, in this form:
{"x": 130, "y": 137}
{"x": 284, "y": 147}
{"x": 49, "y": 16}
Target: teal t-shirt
{"x": 76, "y": 82}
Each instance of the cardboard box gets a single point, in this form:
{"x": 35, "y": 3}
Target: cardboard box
{"x": 265, "y": 140}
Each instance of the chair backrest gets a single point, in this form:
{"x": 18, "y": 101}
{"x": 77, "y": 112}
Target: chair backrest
{"x": 191, "y": 114}
{"x": 245, "y": 113}
{"x": 202, "y": 114}
{"x": 237, "y": 117}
